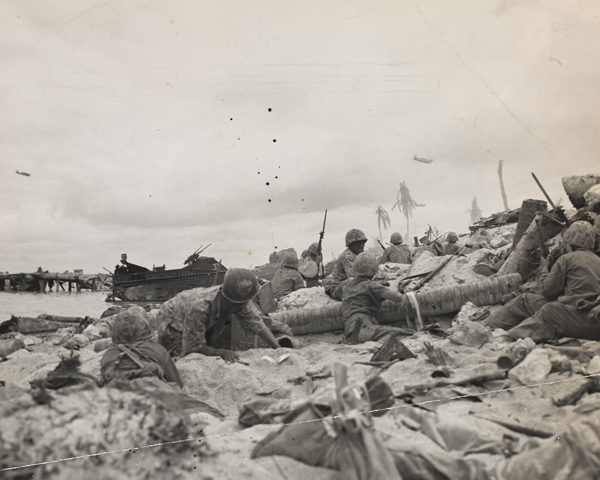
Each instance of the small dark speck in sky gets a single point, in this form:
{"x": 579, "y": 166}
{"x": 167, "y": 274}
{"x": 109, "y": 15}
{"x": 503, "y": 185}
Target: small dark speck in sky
{"x": 276, "y": 177}
{"x": 231, "y": 119}
{"x": 267, "y": 183}
{"x": 274, "y": 140}
{"x": 269, "y": 109}
{"x": 269, "y": 199}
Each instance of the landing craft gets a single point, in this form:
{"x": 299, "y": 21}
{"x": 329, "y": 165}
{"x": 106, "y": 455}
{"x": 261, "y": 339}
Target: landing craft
{"x": 25, "y": 174}
{"x": 422, "y": 160}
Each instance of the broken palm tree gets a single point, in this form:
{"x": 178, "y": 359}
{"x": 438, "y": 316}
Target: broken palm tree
{"x": 436, "y": 301}
{"x": 405, "y": 204}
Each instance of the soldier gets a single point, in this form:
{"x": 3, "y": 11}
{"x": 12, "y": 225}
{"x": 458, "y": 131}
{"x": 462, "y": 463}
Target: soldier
{"x": 568, "y": 290}
{"x": 450, "y": 246}
{"x": 355, "y": 241}
{"x": 287, "y": 279}
{"x": 362, "y": 297}
{"x": 133, "y": 354}
{"x": 397, "y": 252}
{"x": 194, "y": 319}
{"x": 311, "y": 265}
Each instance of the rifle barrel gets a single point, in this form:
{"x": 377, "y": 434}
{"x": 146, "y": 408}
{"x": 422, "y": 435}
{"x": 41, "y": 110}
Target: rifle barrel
{"x": 543, "y": 191}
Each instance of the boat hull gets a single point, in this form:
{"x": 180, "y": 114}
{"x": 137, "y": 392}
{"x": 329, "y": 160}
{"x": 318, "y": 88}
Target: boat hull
{"x": 161, "y": 286}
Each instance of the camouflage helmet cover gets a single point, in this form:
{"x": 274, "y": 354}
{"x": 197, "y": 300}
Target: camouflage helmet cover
{"x": 365, "y": 265}
{"x": 452, "y": 237}
{"x": 290, "y": 260}
{"x": 239, "y": 285}
{"x": 355, "y": 235}
{"x": 396, "y": 239}
{"x": 313, "y": 248}
{"x": 581, "y": 234}
{"x": 131, "y": 326}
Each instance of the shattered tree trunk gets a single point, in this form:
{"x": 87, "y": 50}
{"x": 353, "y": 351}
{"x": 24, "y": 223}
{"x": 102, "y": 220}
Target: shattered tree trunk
{"x": 437, "y": 301}
{"x": 576, "y": 185}
{"x": 525, "y": 257}
{"x": 529, "y": 209}
{"x": 504, "y": 199}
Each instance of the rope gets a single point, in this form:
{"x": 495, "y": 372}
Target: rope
{"x": 412, "y": 298}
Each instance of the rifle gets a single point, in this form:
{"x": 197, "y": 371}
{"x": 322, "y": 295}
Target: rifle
{"x": 319, "y": 248}
{"x": 559, "y": 211}
{"x": 545, "y": 251}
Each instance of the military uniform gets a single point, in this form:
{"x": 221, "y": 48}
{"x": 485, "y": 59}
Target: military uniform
{"x": 133, "y": 355}
{"x": 285, "y": 281}
{"x": 397, "y": 254}
{"x": 361, "y": 300}
{"x": 449, "y": 248}
{"x": 194, "y": 318}
{"x": 136, "y": 360}
{"x": 341, "y": 271}
{"x": 553, "y": 314}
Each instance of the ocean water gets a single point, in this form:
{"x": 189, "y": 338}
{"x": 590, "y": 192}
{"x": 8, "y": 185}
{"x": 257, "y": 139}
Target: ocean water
{"x": 74, "y": 304}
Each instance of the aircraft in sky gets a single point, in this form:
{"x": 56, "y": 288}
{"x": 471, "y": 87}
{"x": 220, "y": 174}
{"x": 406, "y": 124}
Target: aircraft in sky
{"x": 422, "y": 160}
{"x": 25, "y": 174}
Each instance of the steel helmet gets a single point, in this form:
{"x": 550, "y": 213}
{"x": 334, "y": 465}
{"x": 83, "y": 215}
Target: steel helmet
{"x": 355, "y": 235}
{"x": 131, "y": 326}
{"x": 581, "y": 234}
{"x": 290, "y": 260}
{"x": 313, "y": 249}
{"x": 452, "y": 237}
{"x": 239, "y": 285}
{"x": 396, "y": 239}
{"x": 365, "y": 265}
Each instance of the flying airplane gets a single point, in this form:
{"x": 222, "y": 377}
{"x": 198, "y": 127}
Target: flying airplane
{"x": 422, "y": 160}
{"x": 25, "y": 174}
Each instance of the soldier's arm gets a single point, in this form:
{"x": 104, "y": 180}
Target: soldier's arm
{"x": 298, "y": 283}
{"x": 252, "y": 323}
{"x": 194, "y": 337}
{"x": 553, "y": 283}
{"x": 347, "y": 263}
{"x": 391, "y": 295}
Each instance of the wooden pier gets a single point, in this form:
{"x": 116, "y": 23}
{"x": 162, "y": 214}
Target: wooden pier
{"x": 41, "y": 281}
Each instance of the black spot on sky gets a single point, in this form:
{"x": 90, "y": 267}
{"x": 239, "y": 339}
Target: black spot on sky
{"x": 269, "y": 109}
{"x": 274, "y": 140}
{"x": 269, "y": 199}
{"x": 276, "y": 177}
{"x": 231, "y": 119}
{"x": 267, "y": 183}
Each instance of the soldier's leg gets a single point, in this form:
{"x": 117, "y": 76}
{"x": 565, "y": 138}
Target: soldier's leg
{"x": 556, "y": 320}
{"x": 515, "y": 311}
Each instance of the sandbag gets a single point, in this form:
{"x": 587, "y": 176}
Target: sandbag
{"x": 592, "y": 196}
{"x": 263, "y": 410}
{"x": 9, "y": 346}
{"x": 576, "y": 185}
{"x": 346, "y": 441}
{"x": 576, "y": 456}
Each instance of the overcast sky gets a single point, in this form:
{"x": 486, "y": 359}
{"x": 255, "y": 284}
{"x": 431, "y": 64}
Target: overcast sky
{"x": 155, "y": 127}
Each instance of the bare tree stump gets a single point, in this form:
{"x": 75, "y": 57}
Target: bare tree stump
{"x": 525, "y": 257}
